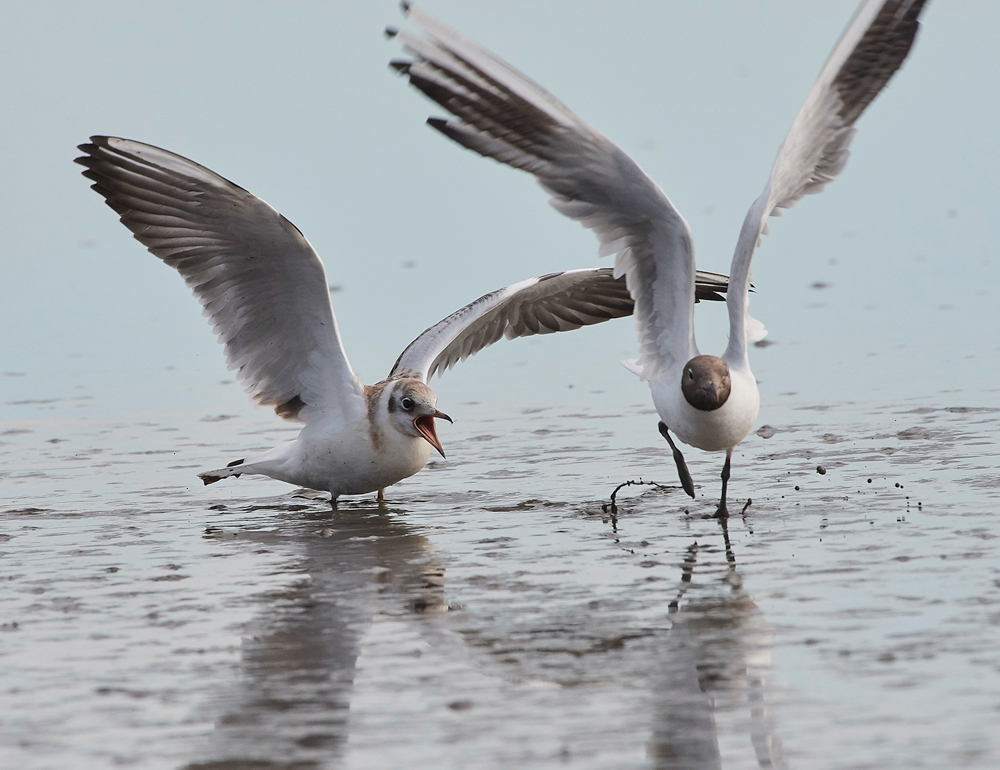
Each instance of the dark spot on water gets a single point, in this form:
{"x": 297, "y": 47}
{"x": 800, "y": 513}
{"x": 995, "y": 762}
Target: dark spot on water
{"x": 318, "y": 741}
{"x": 913, "y": 434}
{"x": 527, "y": 505}
{"x": 122, "y": 691}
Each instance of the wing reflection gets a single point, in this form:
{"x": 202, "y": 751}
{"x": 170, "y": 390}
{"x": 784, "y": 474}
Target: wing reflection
{"x": 715, "y": 664}
{"x": 567, "y": 678}
{"x": 290, "y": 704}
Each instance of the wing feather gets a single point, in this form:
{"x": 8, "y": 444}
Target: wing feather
{"x": 550, "y": 303}
{"x": 260, "y": 283}
{"x": 873, "y": 47}
{"x": 502, "y": 114}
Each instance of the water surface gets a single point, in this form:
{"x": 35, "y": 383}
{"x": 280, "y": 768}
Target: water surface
{"x": 493, "y": 613}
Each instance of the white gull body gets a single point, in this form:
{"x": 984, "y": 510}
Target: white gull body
{"x": 709, "y": 402}
{"x": 265, "y": 292}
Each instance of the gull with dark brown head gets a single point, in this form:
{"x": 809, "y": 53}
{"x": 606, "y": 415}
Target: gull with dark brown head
{"x": 264, "y": 290}
{"x": 709, "y": 402}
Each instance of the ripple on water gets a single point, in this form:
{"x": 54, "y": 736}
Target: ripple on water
{"x": 494, "y": 614}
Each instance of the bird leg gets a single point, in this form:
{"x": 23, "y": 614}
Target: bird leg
{"x": 722, "y": 512}
{"x": 682, "y": 469}
{"x": 380, "y": 498}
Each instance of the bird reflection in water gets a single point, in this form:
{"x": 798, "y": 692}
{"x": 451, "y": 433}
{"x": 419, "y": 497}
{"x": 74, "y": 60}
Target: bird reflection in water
{"x": 715, "y": 662}
{"x": 290, "y": 703}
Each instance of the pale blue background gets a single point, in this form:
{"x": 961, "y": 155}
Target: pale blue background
{"x": 295, "y": 103}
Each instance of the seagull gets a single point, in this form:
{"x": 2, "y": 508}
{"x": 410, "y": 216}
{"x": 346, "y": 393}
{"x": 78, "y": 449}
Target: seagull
{"x": 265, "y": 292}
{"x": 708, "y": 402}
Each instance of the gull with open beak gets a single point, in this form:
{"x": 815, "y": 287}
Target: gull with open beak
{"x": 709, "y": 402}
{"x": 264, "y": 290}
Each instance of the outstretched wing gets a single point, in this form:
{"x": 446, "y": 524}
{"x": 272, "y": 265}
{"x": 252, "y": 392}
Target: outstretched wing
{"x": 503, "y": 115}
{"x": 550, "y": 303}
{"x": 261, "y": 285}
{"x": 814, "y": 152}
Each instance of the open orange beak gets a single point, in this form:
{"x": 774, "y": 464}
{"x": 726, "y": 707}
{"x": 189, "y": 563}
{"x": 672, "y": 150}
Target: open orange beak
{"x": 425, "y": 424}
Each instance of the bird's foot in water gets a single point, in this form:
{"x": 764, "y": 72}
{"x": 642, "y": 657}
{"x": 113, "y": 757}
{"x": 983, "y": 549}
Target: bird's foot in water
{"x": 722, "y": 512}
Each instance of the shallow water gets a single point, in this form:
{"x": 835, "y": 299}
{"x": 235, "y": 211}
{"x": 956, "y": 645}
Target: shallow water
{"x": 492, "y": 613}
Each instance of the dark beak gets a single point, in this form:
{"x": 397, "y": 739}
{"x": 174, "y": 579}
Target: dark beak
{"x": 425, "y": 425}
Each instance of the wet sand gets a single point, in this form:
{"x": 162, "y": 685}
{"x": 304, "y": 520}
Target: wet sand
{"x": 493, "y": 613}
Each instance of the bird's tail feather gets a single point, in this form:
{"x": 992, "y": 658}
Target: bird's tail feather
{"x": 632, "y": 364}
{"x": 233, "y": 469}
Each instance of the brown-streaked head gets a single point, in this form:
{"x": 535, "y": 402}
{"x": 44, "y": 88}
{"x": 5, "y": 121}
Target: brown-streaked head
{"x": 706, "y": 383}
{"x": 413, "y": 402}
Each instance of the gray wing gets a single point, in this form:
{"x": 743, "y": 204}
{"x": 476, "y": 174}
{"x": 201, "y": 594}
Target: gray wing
{"x": 872, "y": 48}
{"x": 503, "y": 115}
{"x": 550, "y": 303}
{"x": 261, "y": 285}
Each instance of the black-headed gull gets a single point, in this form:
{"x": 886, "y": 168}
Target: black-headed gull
{"x": 709, "y": 402}
{"x": 264, "y": 290}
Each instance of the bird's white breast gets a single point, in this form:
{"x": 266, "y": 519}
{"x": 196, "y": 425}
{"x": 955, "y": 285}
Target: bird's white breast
{"x": 351, "y": 459}
{"x": 712, "y": 431}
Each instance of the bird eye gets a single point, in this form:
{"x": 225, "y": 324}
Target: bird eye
{"x": 407, "y": 403}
